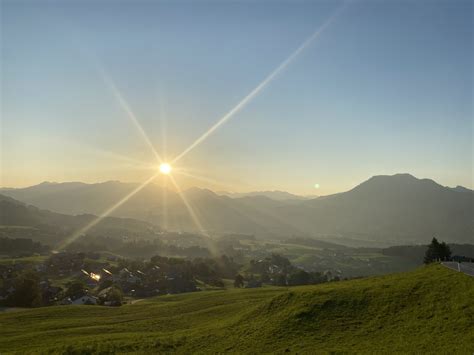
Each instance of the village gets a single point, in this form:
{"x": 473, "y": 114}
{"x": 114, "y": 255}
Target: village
{"x": 86, "y": 278}
{"x": 78, "y": 278}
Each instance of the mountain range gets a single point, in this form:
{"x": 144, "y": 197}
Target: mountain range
{"x": 393, "y": 209}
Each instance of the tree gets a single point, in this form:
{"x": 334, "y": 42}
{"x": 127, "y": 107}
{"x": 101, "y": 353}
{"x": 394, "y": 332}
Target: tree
{"x": 437, "y": 251}
{"x": 115, "y": 296}
{"x": 299, "y": 277}
{"x": 280, "y": 280}
{"x": 239, "y": 281}
{"x": 432, "y": 251}
{"x": 317, "y": 278}
{"x": 215, "y": 281}
{"x": 76, "y": 289}
{"x": 444, "y": 251}
{"x": 27, "y": 291}
{"x": 280, "y": 261}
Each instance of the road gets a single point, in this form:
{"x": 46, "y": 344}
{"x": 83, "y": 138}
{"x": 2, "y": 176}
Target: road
{"x": 467, "y": 268}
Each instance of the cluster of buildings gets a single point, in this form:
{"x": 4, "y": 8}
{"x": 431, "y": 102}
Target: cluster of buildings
{"x": 99, "y": 277}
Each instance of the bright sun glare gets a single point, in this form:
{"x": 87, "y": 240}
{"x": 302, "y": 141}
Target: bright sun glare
{"x": 165, "y": 168}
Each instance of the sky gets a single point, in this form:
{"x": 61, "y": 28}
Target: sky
{"x": 384, "y": 87}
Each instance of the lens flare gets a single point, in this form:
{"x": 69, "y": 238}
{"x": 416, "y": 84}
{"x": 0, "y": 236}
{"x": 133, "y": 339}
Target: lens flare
{"x": 165, "y": 168}
{"x": 95, "y": 277}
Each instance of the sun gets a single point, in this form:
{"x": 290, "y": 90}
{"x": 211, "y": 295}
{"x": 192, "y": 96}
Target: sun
{"x": 165, "y": 168}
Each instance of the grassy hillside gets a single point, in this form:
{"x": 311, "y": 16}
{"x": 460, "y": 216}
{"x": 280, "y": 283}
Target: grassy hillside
{"x": 428, "y": 310}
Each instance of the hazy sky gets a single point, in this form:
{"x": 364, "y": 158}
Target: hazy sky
{"x": 385, "y": 88}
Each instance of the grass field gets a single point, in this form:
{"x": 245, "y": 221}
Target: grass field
{"x": 430, "y": 309}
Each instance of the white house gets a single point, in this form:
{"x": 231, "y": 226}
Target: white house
{"x": 85, "y": 300}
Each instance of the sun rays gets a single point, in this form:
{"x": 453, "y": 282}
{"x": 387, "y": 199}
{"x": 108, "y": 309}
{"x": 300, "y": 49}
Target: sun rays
{"x": 167, "y": 169}
{"x": 104, "y": 214}
{"x": 194, "y": 218}
{"x": 188, "y": 206}
{"x": 126, "y": 108}
{"x": 249, "y": 97}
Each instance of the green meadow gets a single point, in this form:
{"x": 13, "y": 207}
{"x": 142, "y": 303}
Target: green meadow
{"x": 429, "y": 310}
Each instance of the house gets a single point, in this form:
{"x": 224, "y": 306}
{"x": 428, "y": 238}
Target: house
{"x": 133, "y": 279}
{"x": 86, "y": 299}
{"x": 128, "y": 276}
{"x": 51, "y": 294}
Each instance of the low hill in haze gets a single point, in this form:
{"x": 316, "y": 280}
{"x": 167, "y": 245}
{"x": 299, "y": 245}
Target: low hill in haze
{"x": 429, "y": 310}
{"x": 20, "y": 220}
{"x": 219, "y": 214}
{"x": 384, "y": 210}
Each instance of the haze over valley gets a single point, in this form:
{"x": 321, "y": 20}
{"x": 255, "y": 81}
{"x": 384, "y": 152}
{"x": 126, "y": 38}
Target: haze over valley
{"x": 382, "y": 211}
{"x": 236, "y": 177}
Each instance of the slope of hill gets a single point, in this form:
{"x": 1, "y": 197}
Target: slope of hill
{"x": 72, "y": 197}
{"x": 398, "y": 208}
{"x": 427, "y": 310}
{"x": 387, "y": 210}
{"x": 219, "y": 214}
{"x": 50, "y": 227}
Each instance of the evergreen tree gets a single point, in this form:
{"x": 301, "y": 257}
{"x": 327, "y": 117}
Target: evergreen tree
{"x": 437, "y": 251}
{"x": 432, "y": 251}
{"x": 444, "y": 251}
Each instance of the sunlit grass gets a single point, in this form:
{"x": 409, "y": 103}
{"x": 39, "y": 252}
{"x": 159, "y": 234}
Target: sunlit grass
{"x": 427, "y": 310}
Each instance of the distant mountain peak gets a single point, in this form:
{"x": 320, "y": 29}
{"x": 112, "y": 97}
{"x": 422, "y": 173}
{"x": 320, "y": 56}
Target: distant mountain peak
{"x": 399, "y": 177}
{"x": 395, "y": 184}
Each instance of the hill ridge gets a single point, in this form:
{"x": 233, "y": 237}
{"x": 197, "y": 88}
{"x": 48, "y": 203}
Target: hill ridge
{"x": 385, "y": 209}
